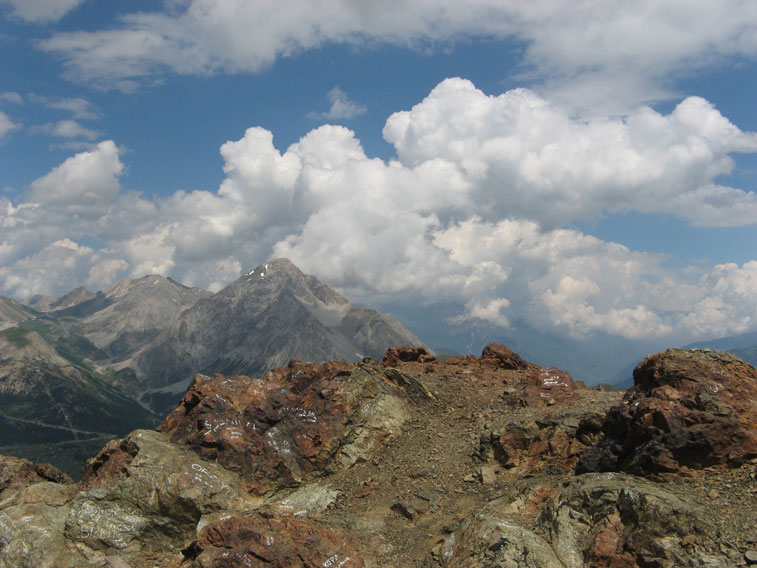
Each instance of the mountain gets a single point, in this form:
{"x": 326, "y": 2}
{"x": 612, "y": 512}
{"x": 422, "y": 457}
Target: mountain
{"x": 48, "y": 304}
{"x": 131, "y": 313}
{"x": 93, "y": 366}
{"x": 743, "y": 345}
{"x": 55, "y": 405}
{"x": 11, "y": 312}
{"x": 260, "y": 321}
{"x": 473, "y": 462}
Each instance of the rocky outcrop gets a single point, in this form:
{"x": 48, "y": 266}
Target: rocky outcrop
{"x": 97, "y": 366}
{"x": 527, "y": 384}
{"x": 413, "y": 462}
{"x": 16, "y": 473}
{"x": 295, "y": 422}
{"x": 688, "y": 409}
{"x": 270, "y": 543}
{"x": 596, "y": 521}
{"x": 533, "y": 445}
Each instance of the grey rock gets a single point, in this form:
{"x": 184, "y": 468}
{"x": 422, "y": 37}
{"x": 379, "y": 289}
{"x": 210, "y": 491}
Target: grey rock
{"x": 602, "y": 516}
{"x": 485, "y": 540}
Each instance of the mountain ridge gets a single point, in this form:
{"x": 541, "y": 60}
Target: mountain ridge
{"x": 139, "y": 343}
{"x": 415, "y": 462}
{"x": 261, "y": 320}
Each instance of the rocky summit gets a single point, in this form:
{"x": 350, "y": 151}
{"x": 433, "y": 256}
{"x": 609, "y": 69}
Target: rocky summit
{"x": 413, "y": 461}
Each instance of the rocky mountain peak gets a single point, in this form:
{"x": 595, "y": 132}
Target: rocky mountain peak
{"x": 72, "y": 298}
{"x": 280, "y": 275}
{"x": 260, "y": 321}
{"x": 149, "y": 285}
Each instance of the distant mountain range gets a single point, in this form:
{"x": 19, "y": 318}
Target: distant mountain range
{"x": 86, "y": 367}
{"x": 743, "y": 345}
{"x": 91, "y": 366}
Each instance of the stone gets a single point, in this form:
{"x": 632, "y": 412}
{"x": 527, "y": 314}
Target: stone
{"x": 407, "y": 510}
{"x": 489, "y": 474}
{"x": 531, "y": 446}
{"x": 499, "y": 356}
{"x": 407, "y": 353}
{"x": 307, "y": 500}
{"x": 16, "y": 473}
{"x": 273, "y": 543}
{"x": 688, "y": 409}
{"x": 619, "y": 520}
{"x": 296, "y": 422}
{"x": 547, "y": 386}
{"x": 751, "y": 557}
{"x": 484, "y": 540}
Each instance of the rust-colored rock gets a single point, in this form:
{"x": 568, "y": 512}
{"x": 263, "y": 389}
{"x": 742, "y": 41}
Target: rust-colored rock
{"x": 254, "y": 542}
{"x": 16, "y": 473}
{"x": 688, "y": 408}
{"x": 406, "y": 354}
{"x": 110, "y": 462}
{"x": 498, "y": 356}
{"x": 549, "y": 385}
{"x": 295, "y": 421}
{"x": 532, "y": 447}
{"x": 526, "y": 384}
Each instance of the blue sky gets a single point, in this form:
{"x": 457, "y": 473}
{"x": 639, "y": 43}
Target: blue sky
{"x": 585, "y": 167}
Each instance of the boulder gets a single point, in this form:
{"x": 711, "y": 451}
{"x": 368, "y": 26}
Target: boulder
{"x": 498, "y": 356}
{"x": 296, "y": 422}
{"x": 530, "y": 447}
{"x": 255, "y": 542}
{"x": 615, "y": 520}
{"x": 405, "y": 354}
{"x": 16, "y": 473}
{"x": 688, "y": 409}
{"x": 484, "y": 540}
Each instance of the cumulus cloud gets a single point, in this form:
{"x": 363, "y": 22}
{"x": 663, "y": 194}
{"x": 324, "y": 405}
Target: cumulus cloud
{"x": 85, "y": 185}
{"x": 62, "y": 261}
{"x": 520, "y": 152}
{"x": 41, "y": 11}
{"x": 625, "y": 56}
{"x": 341, "y": 107}
{"x": 471, "y": 211}
{"x": 7, "y": 125}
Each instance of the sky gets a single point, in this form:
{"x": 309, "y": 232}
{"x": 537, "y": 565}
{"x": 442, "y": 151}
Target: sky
{"x": 584, "y": 167}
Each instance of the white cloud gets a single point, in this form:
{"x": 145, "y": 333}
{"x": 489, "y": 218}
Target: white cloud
{"x": 84, "y": 186}
{"x": 341, "y": 107}
{"x": 7, "y": 125}
{"x": 41, "y": 11}
{"x": 12, "y": 97}
{"x": 79, "y": 107}
{"x": 470, "y": 212}
{"x": 67, "y": 129}
{"x": 622, "y": 52}
{"x": 521, "y": 152}
{"x": 61, "y": 263}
